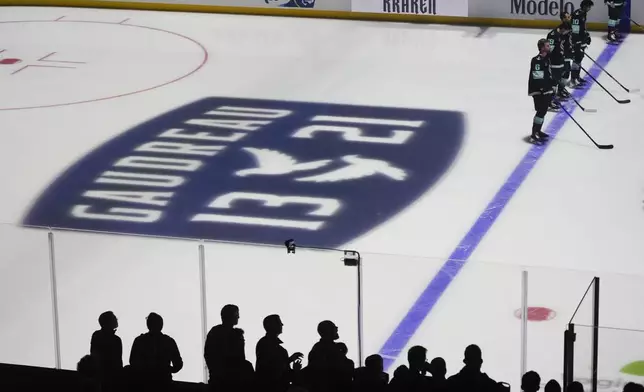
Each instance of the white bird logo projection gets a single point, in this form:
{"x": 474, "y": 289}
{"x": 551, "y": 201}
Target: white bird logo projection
{"x": 276, "y": 163}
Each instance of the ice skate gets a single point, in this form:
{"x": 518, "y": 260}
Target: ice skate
{"x": 563, "y": 93}
{"x": 612, "y": 38}
{"x": 543, "y": 136}
{"x": 537, "y": 138}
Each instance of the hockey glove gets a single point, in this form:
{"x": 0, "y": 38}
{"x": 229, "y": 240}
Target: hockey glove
{"x": 588, "y": 39}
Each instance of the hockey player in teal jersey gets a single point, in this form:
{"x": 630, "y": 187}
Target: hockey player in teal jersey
{"x": 541, "y": 89}
{"x": 615, "y": 11}
{"x": 581, "y": 40}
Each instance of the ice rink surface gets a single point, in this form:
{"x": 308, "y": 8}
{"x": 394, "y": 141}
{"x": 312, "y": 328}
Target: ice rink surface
{"x": 442, "y": 268}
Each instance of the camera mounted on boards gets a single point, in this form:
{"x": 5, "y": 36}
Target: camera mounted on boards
{"x": 290, "y": 246}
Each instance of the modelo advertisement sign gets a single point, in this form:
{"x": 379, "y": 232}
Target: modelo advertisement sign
{"x": 533, "y": 9}
{"x": 412, "y": 7}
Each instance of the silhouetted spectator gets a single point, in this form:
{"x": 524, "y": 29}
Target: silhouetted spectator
{"x": 225, "y": 355}
{"x": 575, "y": 386}
{"x": 347, "y": 367}
{"x": 325, "y": 359}
{"x": 107, "y": 350}
{"x": 302, "y": 379}
{"x": 418, "y": 368}
{"x": 552, "y": 386}
{"x": 344, "y": 350}
{"x": 88, "y": 368}
{"x": 470, "y": 378}
{"x": 633, "y": 387}
{"x": 438, "y": 369}
{"x": 400, "y": 379}
{"x": 371, "y": 377}
{"x": 155, "y": 356}
{"x": 273, "y": 367}
{"x": 530, "y": 382}
{"x": 414, "y": 379}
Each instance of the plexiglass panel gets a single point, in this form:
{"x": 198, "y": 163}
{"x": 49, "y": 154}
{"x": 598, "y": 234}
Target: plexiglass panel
{"x": 439, "y": 304}
{"x": 26, "y": 326}
{"x": 621, "y": 358}
{"x": 131, "y": 276}
{"x": 583, "y": 361}
{"x": 444, "y": 307}
{"x": 304, "y": 288}
{"x": 553, "y": 297}
{"x": 392, "y": 284}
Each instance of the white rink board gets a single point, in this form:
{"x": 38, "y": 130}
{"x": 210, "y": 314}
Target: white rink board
{"x": 532, "y": 9}
{"x": 637, "y": 11}
{"x": 326, "y": 5}
{"x": 422, "y": 7}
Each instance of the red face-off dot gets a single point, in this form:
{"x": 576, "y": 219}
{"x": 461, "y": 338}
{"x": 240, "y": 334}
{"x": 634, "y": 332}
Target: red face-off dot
{"x": 537, "y": 313}
{"x": 9, "y": 61}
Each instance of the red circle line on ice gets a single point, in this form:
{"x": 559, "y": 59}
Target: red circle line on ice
{"x": 537, "y": 313}
{"x": 60, "y": 20}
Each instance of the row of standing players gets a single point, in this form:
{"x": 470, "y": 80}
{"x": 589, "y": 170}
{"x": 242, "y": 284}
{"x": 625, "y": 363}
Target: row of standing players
{"x": 558, "y": 64}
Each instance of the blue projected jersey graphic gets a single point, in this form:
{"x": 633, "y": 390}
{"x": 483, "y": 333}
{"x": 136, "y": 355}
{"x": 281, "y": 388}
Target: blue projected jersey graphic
{"x": 256, "y": 171}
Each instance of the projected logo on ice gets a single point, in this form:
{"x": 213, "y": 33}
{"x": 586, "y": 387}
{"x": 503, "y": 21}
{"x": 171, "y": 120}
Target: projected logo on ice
{"x": 256, "y": 171}
{"x": 292, "y": 3}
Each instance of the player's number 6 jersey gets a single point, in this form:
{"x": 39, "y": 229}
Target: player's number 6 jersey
{"x": 540, "y": 81}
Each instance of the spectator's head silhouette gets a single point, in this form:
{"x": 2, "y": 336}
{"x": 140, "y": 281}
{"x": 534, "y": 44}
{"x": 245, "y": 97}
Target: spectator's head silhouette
{"x": 530, "y": 382}
{"x": 473, "y": 357}
{"x": 328, "y": 331}
{"x": 417, "y": 356}
{"x": 273, "y": 325}
{"x": 575, "y": 386}
{"x": 230, "y": 315}
{"x": 552, "y": 386}
{"x": 401, "y": 372}
{"x": 374, "y": 363}
{"x": 343, "y": 348}
{"x": 438, "y": 367}
{"x": 154, "y": 322}
{"x": 108, "y": 321}
{"x": 87, "y": 366}
{"x": 633, "y": 387}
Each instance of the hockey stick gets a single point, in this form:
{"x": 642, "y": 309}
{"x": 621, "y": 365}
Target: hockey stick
{"x": 600, "y": 146}
{"x": 579, "y": 104}
{"x": 604, "y": 88}
{"x": 636, "y": 24}
{"x": 635, "y": 90}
